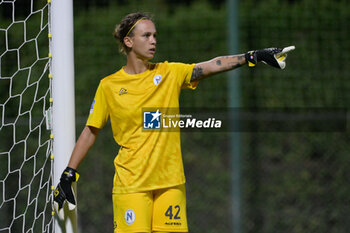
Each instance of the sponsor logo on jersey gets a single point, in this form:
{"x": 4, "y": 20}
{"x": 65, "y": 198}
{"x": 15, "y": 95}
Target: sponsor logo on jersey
{"x": 123, "y": 91}
{"x": 157, "y": 79}
{"x": 151, "y": 120}
{"x": 129, "y": 216}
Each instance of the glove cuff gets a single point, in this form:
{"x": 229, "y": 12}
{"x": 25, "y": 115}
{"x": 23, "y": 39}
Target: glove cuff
{"x": 251, "y": 58}
{"x": 70, "y": 175}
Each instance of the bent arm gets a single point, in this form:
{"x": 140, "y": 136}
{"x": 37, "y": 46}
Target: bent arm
{"x": 217, "y": 65}
{"x": 86, "y": 139}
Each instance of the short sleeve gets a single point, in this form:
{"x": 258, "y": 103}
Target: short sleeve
{"x": 184, "y": 74}
{"x": 99, "y": 113}
{"x": 187, "y": 84}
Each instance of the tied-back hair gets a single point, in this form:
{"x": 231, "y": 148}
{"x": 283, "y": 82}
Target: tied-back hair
{"x": 126, "y": 28}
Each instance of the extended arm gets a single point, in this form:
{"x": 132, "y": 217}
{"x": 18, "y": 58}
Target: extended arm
{"x": 272, "y": 56}
{"x": 217, "y": 65}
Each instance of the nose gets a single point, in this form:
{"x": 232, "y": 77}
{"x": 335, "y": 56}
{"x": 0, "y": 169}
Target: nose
{"x": 153, "y": 40}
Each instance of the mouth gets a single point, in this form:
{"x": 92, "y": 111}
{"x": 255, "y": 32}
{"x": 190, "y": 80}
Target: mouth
{"x": 152, "y": 50}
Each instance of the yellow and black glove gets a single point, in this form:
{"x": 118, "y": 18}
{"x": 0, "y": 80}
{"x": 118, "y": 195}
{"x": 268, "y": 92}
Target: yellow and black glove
{"x": 275, "y": 57}
{"x": 64, "y": 191}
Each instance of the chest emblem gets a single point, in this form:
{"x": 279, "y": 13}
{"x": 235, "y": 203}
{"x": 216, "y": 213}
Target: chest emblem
{"x": 157, "y": 79}
{"x": 123, "y": 91}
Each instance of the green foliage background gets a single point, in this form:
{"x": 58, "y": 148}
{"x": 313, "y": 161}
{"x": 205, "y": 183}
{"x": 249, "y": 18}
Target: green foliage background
{"x": 291, "y": 181}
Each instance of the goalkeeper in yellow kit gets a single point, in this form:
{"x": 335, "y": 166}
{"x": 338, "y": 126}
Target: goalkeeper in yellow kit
{"x": 149, "y": 182}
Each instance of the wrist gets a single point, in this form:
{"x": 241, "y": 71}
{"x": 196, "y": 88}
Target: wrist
{"x": 251, "y": 58}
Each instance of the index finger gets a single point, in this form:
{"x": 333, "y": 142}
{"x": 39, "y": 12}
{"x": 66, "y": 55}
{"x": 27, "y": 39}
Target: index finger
{"x": 287, "y": 49}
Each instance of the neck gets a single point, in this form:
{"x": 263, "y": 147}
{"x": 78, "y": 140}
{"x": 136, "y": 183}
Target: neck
{"x": 135, "y": 65}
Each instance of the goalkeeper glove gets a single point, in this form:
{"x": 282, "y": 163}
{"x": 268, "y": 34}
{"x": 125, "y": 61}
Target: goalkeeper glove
{"x": 64, "y": 191}
{"x": 272, "y": 56}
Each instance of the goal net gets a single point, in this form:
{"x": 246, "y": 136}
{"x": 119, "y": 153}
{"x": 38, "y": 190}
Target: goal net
{"x": 26, "y": 165}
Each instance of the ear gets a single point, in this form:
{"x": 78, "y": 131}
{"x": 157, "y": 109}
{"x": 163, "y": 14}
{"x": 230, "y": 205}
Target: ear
{"x": 128, "y": 42}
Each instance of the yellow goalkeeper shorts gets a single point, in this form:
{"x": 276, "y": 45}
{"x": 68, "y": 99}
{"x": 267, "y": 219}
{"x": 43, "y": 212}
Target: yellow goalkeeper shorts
{"x": 156, "y": 210}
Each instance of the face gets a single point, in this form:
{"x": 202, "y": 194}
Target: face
{"x": 143, "y": 42}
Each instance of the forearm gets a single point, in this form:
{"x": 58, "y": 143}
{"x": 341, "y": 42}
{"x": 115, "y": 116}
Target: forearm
{"x": 86, "y": 139}
{"x": 217, "y": 65}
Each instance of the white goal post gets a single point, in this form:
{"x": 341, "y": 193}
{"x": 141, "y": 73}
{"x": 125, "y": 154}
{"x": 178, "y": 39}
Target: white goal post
{"x": 37, "y": 117}
{"x": 62, "y": 49}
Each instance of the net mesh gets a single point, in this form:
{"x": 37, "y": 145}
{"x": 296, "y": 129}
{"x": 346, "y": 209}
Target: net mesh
{"x": 286, "y": 177}
{"x": 291, "y": 182}
{"x": 25, "y": 143}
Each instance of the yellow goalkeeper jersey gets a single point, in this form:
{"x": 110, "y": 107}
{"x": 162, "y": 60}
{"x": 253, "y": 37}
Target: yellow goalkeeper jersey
{"x": 147, "y": 160}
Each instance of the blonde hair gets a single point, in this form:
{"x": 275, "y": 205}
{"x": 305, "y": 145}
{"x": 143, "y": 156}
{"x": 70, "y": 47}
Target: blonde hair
{"x": 126, "y": 28}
